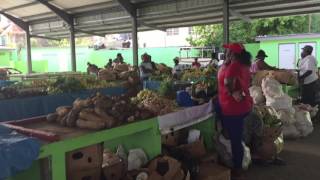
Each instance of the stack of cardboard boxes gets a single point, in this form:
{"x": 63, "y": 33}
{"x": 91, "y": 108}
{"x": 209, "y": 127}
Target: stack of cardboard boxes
{"x": 85, "y": 163}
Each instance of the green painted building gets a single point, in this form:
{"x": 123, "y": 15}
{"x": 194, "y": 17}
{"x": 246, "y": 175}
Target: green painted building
{"x": 284, "y": 51}
{"x": 58, "y": 59}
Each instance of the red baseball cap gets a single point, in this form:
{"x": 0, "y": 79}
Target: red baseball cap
{"x": 234, "y": 47}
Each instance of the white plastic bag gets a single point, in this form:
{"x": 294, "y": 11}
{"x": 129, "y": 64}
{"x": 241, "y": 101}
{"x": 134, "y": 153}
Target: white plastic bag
{"x": 271, "y": 88}
{"x": 283, "y": 102}
{"x": 246, "y": 161}
{"x": 136, "y": 159}
{"x": 313, "y": 110}
{"x": 257, "y": 95}
{"x": 286, "y": 116}
{"x": 303, "y": 124}
{"x": 290, "y": 131}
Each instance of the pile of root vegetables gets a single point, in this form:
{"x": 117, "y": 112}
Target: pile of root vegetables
{"x": 99, "y": 112}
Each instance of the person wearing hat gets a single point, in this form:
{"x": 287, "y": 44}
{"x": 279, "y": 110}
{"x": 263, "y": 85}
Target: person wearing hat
{"x": 260, "y": 64}
{"x": 234, "y": 99}
{"x": 177, "y": 69}
{"x": 308, "y": 76}
{"x": 118, "y": 59}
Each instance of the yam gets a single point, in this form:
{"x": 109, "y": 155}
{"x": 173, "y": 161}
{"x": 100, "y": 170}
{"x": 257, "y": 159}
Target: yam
{"x": 121, "y": 67}
{"x": 124, "y": 75}
{"x": 110, "y": 122}
{"x": 82, "y": 103}
{"x": 63, "y": 110}
{"x": 63, "y": 120}
{"x": 94, "y": 125}
{"x": 103, "y": 102}
{"x": 107, "y": 75}
{"x": 90, "y": 116}
{"x": 52, "y": 117}
{"x": 72, "y": 117}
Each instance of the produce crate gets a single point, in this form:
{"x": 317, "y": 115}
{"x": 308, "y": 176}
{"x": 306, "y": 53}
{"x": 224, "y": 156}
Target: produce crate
{"x": 146, "y": 132}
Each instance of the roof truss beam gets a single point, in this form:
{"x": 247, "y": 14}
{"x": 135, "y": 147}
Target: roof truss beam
{"x": 68, "y": 18}
{"x": 241, "y": 16}
{"x": 130, "y": 8}
{"x": 19, "y": 22}
{"x": 89, "y": 32}
{"x": 151, "y": 26}
{"x": 45, "y": 37}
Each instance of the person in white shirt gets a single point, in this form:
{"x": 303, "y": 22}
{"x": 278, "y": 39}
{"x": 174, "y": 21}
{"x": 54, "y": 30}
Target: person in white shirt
{"x": 308, "y": 76}
{"x": 177, "y": 69}
{"x": 146, "y": 67}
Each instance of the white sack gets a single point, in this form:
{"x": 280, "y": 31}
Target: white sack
{"x": 287, "y": 116}
{"x": 283, "y": 102}
{"x": 257, "y": 95}
{"x": 313, "y": 110}
{"x": 271, "y": 88}
{"x": 303, "y": 124}
{"x": 290, "y": 131}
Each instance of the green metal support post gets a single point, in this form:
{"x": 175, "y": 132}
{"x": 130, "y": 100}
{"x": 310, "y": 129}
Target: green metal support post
{"x": 135, "y": 41}
{"x": 226, "y": 21}
{"x": 73, "y": 48}
{"x": 28, "y": 45}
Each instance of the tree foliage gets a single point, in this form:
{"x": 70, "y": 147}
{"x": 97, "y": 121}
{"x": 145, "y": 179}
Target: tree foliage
{"x": 245, "y": 32}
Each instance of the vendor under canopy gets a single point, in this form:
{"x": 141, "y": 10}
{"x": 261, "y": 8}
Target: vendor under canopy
{"x": 177, "y": 69}
{"x": 147, "y": 67}
{"x": 308, "y": 76}
{"x": 260, "y": 64}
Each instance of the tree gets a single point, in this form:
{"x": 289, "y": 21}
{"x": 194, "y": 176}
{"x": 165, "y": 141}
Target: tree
{"x": 245, "y": 32}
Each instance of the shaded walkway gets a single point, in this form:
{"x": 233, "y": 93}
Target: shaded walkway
{"x": 302, "y": 157}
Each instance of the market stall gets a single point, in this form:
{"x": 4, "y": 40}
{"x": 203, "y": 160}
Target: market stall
{"x": 40, "y": 94}
{"x": 53, "y": 154}
{"x": 15, "y": 109}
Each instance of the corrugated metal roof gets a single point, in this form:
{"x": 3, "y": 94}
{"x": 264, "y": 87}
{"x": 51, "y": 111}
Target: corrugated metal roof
{"x": 286, "y": 37}
{"x": 107, "y": 16}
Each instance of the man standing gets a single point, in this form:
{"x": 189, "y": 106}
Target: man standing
{"x": 308, "y": 76}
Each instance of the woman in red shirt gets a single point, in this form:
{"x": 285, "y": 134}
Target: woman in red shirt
{"x": 234, "y": 98}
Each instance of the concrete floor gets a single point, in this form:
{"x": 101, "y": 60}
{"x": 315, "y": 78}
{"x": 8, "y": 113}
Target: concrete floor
{"x": 302, "y": 157}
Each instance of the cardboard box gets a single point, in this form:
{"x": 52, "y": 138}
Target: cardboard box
{"x": 113, "y": 167}
{"x": 196, "y": 149}
{"x": 210, "y": 158}
{"x": 90, "y": 174}
{"x": 85, "y": 158}
{"x": 165, "y": 168}
{"x": 171, "y": 139}
{"x": 211, "y": 171}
